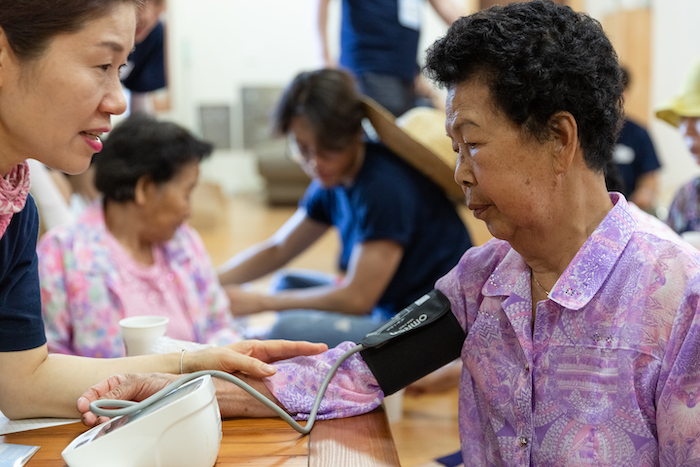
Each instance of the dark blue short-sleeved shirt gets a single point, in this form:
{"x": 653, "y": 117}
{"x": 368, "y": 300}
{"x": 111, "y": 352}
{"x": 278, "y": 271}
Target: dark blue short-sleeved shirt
{"x": 634, "y": 155}
{"x": 373, "y": 40}
{"x": 21, "y": 325}
{"x": 146, "y": 64}
{"x": 389, "y": 200}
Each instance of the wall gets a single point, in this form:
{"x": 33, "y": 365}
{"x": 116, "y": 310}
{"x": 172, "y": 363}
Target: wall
{"x": 675, "y": 47}
{"x": 218, "y": 46}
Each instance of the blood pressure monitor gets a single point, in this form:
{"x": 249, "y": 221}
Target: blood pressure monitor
{"x": 182, "y": 429}
{"x": 180, "y": 425}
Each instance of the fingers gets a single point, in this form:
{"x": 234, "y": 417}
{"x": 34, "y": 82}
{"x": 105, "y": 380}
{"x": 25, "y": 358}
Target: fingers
{"x": 248, "y": 365}
{"x": 98, "y": 391}
{"x": 251, "y": 357}
{"x": 276, "y": 349}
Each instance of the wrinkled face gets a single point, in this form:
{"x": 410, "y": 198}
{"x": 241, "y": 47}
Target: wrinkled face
{"x": 329, "y": 166}
{"x": 55, "y": 108}
{"x": 168, "y": 204}
{"x": 690, "y": 130}
{"x": 503, "y": 172}
{"x": 148, "y": 18}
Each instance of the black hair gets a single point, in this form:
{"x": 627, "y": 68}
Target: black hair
{"x": 31, "y": 24}
{"x": 538, "y": 58}
{"x": 613, "y": 178}
{"x": 143, "y": 146}
{"x": 329, "y": 102}
{"x": 626, "y": 79}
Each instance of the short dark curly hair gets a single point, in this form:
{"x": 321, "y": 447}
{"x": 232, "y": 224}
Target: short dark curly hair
{"x": 538, "y": 58}
{"x": 142, "y": 146}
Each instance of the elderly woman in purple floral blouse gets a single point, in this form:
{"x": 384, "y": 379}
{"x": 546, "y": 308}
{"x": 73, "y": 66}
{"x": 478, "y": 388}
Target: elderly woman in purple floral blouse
{"x": 581, "y": 321}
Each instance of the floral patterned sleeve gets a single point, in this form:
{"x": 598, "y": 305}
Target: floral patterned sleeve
{"x": 352, "y": 391}
{"x": 54, "y": 300}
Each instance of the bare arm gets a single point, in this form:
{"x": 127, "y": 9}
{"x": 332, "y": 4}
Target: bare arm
{"x": 295, "y": 236}
{"x": 644, "y": 194}
{"x": 34, "y": 383}
{"x": 372, "y": 266}
{"x": 322, "y": 29}
{"x": 448, "y": 10}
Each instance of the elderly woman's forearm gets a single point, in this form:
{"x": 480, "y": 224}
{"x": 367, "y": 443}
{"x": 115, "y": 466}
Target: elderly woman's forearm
{"x": 236, "y": 402}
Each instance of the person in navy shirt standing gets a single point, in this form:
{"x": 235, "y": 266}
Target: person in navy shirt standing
{"x": 379, "y": 45}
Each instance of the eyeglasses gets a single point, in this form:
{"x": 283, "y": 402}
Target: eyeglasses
{"x": 305, "y": 155}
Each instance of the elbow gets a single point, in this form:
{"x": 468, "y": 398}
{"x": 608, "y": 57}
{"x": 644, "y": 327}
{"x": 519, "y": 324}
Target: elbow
{"x": 12, "y": 408}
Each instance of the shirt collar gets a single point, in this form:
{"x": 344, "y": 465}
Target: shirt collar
{"x": 586, "y": 273}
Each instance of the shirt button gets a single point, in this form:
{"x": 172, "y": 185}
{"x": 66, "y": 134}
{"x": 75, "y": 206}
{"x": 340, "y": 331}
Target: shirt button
{"x": 523, "y": 441}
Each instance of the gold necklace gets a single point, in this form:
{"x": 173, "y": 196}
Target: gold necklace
{"x": 532, "y": 274}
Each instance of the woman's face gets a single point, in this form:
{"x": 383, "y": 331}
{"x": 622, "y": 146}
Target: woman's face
{"x": 167, "y": 205}
{"x": 503, "y": 173}
{"x": 329, "y": 166}
{"x": 55, "y": 108}
{"x": 690, "y": 130}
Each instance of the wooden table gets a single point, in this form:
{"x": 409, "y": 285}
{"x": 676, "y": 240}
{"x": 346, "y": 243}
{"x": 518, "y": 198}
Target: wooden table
{"x": 363, "y": 441}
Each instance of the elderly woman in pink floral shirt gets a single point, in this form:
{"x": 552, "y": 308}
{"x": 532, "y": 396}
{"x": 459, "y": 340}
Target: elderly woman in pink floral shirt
{"x": 130, "y": 253}
{"x": 582, "y": 320}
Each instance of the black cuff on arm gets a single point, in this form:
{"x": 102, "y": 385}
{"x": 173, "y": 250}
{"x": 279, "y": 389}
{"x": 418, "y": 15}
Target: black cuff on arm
{"x": 420, "y": 339}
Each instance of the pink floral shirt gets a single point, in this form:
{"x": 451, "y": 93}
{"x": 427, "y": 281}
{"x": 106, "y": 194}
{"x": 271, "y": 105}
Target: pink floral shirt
{"x": 83, "y": 297}
{"x": 609, "y": 377}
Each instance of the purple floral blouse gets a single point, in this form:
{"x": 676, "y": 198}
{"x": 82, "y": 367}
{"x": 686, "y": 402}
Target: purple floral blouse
{"x": 609, "y": 377}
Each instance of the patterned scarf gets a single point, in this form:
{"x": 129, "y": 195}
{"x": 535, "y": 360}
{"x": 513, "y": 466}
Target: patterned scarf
{"x": 13, "y": 194}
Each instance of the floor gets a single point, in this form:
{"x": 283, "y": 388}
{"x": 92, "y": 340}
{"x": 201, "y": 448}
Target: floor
{"x": 427, "y": 428}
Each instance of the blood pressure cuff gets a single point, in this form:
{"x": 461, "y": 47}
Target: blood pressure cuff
{"x": 421, "y": 338}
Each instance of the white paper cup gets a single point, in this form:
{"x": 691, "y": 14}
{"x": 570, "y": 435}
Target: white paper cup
{"x": 393, "y": 406}
{"x": 141, "y": 332}
{"x": 693, "y": 238}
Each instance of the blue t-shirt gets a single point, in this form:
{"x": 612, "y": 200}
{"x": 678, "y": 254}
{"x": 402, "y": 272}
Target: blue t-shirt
{"x": 634, "y": 155}
{"x": 373, "y": 40}
{"x": 145, "y": 70}
{"x": 21, "y": 325}
{"x": 389, "y": 200}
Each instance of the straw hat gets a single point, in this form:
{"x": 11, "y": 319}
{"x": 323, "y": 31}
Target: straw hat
{"x": 687, "y": 104}
{"x": 418, "y": 137}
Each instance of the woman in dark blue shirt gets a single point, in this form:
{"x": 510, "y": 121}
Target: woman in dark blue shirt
{"x": 59, "y": 85}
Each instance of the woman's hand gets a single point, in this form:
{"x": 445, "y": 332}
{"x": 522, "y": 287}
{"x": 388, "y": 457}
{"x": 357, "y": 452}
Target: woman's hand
{"x": 252, "y": 357}
{"x": 134, "y": 387}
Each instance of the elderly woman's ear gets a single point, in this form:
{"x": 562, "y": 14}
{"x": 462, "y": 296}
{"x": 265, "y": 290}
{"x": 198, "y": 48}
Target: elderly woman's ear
{"x": 142, "y": 190}
{"x": 564, "y": 130}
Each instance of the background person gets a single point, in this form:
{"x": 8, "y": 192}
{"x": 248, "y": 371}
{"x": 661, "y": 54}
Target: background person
{"x": 637, "y": 161}
{"x": 398, "y": 230}
{"x": 683, "y": 112}
{"x": 145, "y": 68}
{"x": 131, "y": 253}
{"x": 581, "y": 322}
{"x": 379, "y": 45}
{"x": 59, "y": 86}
